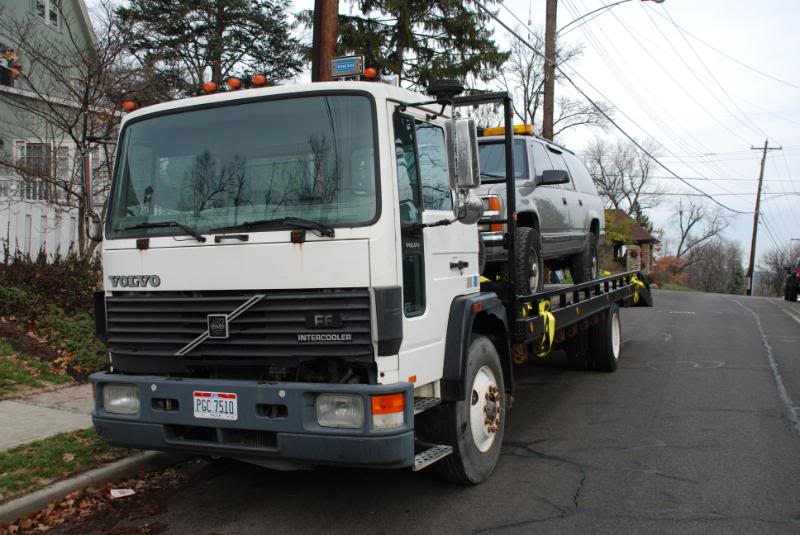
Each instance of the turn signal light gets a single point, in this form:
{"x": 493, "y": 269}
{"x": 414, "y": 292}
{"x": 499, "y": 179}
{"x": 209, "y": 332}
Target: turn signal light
{"x": 209, "y": 87}
{"x": 258, "y": 80}
{"x": 129, "y": 105}
{"x": 494, "y": 205}
{"x": 234, "y": 83}
{"x": 388, "y": 410}
{"x": 370, "y": 73}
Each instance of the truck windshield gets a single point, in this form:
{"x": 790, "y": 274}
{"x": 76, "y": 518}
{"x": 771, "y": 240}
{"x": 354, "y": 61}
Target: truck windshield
{"x": 493, "y": 159}
{"x": 304, "y": 157}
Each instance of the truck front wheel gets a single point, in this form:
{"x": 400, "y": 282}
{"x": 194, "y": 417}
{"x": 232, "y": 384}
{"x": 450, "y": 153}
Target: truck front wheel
{"x": 475, "y": 425}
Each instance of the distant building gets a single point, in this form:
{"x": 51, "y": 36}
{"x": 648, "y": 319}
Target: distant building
{"x": 623, "y": 231}
{"x": 28, "y": 223}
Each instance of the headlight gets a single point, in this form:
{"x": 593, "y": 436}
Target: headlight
{"x": 340, "y": 410}
{"x": 121, "y": 398}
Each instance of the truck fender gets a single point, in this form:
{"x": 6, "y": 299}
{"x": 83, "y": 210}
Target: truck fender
{"x": 480, "y": 313}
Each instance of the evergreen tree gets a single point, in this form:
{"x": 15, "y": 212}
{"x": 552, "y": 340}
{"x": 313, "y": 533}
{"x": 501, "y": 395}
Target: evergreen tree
{"x": 183, "y": 39}
{"x": 421, "y": 40}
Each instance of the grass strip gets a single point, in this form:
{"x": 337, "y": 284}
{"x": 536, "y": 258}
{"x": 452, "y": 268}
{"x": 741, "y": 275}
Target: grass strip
{"x": 22, "y": 370}
{"x": 31, "y": 466}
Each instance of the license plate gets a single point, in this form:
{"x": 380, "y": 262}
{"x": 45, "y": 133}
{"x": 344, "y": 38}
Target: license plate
{"x": 215, "y": 405}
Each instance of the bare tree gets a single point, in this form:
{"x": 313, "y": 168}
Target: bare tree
{"x": 718, "y": 267}
{"x": 772, "y": 266}
{"x": 523, "y": 76}
{"x": 697, "y": 224}
{"x": 623, "y": 175}
{"x": 65, "y": 100}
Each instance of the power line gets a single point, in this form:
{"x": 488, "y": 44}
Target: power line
{"x": 732, "y": 58}
{"x": 713, "y": 77}
{"x": 679, "y": 138}
{"x": 601, "y": 110}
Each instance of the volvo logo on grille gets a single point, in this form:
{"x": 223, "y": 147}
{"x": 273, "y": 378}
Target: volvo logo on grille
{"x": 218, "y": 326}
{"x": 134, "y": 281}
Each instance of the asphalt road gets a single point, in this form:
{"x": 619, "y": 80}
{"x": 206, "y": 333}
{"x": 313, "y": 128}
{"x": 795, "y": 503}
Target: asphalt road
{"x": 697, "y": 432}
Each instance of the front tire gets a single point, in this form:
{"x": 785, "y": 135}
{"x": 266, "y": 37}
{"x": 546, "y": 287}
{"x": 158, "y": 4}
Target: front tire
{"x": 583, "y": 266}
{"x": 528, "y": 257}
{"x": 475, "y": 425}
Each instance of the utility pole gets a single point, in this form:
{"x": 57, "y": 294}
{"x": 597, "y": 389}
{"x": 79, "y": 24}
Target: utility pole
{"x": 326, "y": 32}
{"x": 765, "y": 149}
{"x": 549, "y": 68}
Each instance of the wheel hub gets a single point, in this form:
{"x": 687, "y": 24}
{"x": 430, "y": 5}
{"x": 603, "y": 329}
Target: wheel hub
{"x": 486, "y": 406}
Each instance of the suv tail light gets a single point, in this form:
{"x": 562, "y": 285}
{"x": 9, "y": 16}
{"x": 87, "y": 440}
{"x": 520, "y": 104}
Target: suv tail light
{"x": 797, "y": 272}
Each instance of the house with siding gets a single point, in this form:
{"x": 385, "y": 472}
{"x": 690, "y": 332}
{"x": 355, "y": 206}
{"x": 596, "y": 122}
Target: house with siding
{"x": 31, "y": 216}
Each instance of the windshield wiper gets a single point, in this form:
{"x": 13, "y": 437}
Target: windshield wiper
{"x": 166, "y": 224}
{"x": 291, "y": 222}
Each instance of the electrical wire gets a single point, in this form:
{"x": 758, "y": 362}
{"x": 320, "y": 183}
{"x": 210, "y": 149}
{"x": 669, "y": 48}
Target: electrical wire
{"x": 676, "y": 138}
{"x": 732, "y": 58}
{"x": 600, "y": 109}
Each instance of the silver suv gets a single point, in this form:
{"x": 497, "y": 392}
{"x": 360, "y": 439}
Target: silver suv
{"x": 560, "y": 218}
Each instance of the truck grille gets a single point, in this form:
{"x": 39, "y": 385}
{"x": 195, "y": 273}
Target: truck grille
{"x": 159, "y": 324}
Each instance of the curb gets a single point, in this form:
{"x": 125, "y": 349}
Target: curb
{"x": 124, "y": 468}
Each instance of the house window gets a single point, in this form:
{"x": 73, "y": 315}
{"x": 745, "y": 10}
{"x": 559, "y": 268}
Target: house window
{"x": 37, "y": 158}
{"x": 48, "y": 11}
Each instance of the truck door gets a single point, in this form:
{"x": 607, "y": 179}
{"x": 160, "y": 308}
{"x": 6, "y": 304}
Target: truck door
{"x": 438, "y": 263}
{"x": 551, "y": 204}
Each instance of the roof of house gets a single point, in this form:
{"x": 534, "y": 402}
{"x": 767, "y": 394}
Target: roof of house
{"x": 638, "y": 232}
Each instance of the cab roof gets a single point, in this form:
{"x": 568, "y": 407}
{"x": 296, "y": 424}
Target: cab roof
{"x": 380, "y": 91}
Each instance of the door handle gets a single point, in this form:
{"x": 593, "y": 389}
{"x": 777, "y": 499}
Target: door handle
{"x": 564, "y": 200}
{"x": 461, "y": 264}
{"x": 580, "y": 202}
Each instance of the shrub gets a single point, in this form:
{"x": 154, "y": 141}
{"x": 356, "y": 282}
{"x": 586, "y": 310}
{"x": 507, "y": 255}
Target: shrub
{"x": 67, "y": 281}
{"x": 72, "y": 334}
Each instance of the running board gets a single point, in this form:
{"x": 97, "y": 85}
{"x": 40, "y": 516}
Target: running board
{"x": 423, "y": 404}
{"x": 430, "y": 456}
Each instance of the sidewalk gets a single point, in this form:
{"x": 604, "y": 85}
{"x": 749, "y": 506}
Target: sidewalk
{"x": 41, "y": 415}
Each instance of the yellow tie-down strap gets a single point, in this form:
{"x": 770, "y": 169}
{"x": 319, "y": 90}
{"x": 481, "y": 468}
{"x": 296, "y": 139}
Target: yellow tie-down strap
{"x": 546, "y": 343}
{"x": 636, "y": 285}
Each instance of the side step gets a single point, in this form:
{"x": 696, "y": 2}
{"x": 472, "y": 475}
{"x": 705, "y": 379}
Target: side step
{"x": 430, "y": 456}
{"x": 423, "y": 404}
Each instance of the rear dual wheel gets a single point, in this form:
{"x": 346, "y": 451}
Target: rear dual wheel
{"x": 599, "y": 347}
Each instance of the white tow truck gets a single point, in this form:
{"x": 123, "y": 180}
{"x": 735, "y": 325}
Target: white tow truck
{"x": 291, "y": 274}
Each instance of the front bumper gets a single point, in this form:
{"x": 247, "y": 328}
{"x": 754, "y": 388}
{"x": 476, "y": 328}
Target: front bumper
{"x": 294, "y": 436}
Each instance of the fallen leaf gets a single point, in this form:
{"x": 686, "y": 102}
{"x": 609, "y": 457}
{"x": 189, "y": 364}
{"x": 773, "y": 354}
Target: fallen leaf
{"x": 68, "y": 457}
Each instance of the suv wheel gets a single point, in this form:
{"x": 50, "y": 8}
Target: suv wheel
{"x": 584, "y": 265}
{"x": 528, "y": 255}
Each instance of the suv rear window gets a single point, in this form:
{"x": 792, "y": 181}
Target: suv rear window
{"x": 493, "y": 159}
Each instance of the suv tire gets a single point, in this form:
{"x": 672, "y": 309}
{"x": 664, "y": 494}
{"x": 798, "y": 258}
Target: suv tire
{"x": 790, "y": 294}
{"x": 583, "y": 266}
{"x": 528, "y": 257}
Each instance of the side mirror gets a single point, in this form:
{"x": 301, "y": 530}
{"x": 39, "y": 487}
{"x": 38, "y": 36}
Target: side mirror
{"x": 94, "y": 227}
{"x": 552, "y": 177}
{"x": 468, "y": 208}
{"x": 462, "y": 154}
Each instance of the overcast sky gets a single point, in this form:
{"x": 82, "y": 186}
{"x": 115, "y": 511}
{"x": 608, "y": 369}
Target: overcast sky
{"x": 703, "y": 107}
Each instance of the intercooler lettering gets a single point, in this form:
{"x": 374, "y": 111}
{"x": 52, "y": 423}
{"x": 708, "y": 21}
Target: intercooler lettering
{"x": 325, "y": 337}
